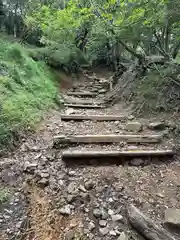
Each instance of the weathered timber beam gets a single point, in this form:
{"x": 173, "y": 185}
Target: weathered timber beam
{"x": 79, "y": 117}
{"x": 83, "y": 101}
{"x": 101, "y": 154}
{"x": 83, "y": 94}
{"x": 83, "y": 105}
{"x": 108, "y": 138}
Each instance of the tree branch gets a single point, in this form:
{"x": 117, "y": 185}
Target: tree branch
{"x": 166, "y": 37}
{"x": 130, "y": 50}
{"x": 161, "y": 49}
{"x": 175, "y": 50}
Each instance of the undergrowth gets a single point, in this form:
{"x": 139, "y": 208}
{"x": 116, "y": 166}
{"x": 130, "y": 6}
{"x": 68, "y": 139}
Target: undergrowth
{"x": 70, "y": 59}
{"x": 4, "y": 195}
{"x": 157, "y": 91}
{"x": 26, "y": 90}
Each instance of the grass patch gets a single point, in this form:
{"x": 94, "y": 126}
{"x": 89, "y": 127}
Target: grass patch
{"x": 4, "y": 195}
{"x": 26, "y": 90}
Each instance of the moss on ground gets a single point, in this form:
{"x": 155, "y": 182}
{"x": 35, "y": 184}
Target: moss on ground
{"x": 26, "y": 90}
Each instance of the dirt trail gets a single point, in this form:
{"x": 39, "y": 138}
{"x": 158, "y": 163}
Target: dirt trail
{"x": 51, "y": 200}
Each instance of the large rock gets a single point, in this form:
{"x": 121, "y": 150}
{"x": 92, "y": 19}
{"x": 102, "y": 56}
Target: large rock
{"x": 172, "y": 217}
{"x": 134, "y": 126}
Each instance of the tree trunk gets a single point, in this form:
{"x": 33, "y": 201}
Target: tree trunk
{"x": 146, "y": 227}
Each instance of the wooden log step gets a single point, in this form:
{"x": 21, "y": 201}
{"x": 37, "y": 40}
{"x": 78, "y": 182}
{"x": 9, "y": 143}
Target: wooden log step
{"x": 83, "y": 101}
{"x": 108, "y": 139}
{"x": 82, "y": 94}
{"x": 75, "y": 154}
{"x": 78, "y": 117}
{"x": 93, "y": 106}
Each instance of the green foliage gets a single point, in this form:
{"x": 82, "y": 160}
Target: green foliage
{"x": 157, "y": 91}
{"x": 83, "y": 32}
{"x": 107, "y": 23}
{"x": 26, "y": 90}
{"x": 4, "y": 195}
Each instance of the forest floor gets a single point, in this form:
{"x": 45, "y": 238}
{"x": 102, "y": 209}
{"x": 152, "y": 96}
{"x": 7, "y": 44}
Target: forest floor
{"x": 44, "y": 198}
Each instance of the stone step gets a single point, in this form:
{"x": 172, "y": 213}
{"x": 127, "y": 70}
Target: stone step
{"x": 76, "y": 154}
{"x": 107, "y": 139}
{"x": 78, "y": 117}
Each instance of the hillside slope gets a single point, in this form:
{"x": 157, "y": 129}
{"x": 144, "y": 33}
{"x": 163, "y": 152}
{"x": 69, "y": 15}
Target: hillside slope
{"x": 26, "y": 90}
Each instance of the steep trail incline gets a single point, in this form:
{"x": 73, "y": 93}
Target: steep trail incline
{"x": 79, "y": 175}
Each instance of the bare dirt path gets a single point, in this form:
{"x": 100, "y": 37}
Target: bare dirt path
{"x": 50, "y": 200}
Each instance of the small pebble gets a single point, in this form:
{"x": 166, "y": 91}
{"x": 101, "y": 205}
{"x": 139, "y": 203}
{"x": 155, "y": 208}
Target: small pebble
{"x": 91, "y": 226}
{"x": 103, "y": 223}
{"x": 117, "y": 217}
{"x": 112, "y": 233}
{"x": 110, "y": 212}
{"x": 104, "y": 231}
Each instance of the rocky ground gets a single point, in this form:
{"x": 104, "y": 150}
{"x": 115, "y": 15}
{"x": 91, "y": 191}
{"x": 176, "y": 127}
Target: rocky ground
{"x": 43, "y": 198}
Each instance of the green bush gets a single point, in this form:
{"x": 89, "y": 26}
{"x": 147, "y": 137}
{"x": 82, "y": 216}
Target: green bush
{"x": 157, "y": 91}
{"x": 26, "y": 90}
{"x": 61, "y": 56}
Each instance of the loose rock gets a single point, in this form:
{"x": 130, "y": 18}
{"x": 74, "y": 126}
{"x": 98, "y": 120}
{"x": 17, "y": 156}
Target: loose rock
{"x": 137, "y": 162}
{"x": 91, "y": 226}
{"x": 130, "y": 117}
{"x": 117, "y": 217}
{"x": 104, "y": 214}
{"x": 44, "y": 175}
{"x": 69, "y": 235}
{"x": 172, "y": 217}
{"x": 102, "y": 91}
{"x": 112, "y": 233}
{"x": 104, "y": 231}
{"x": 97, "y": 213}
{"x": 102, "y": 223}
{"x": 157, "y": 126}
{"x": 66, "y": 210}
{"x": 134, "y": 126}
{"x": 71, "y": 198}
{"x": 30, "y": 167}
{"x": 71, "y": 187}
{"x": 82, "y": 188}
{"x": 43, "y": 182}
{"x": 69, "y": 111}
{"x": 89, "y": 185}
{"x": 110, "y": 212}
{"x": 123, "y": 236}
